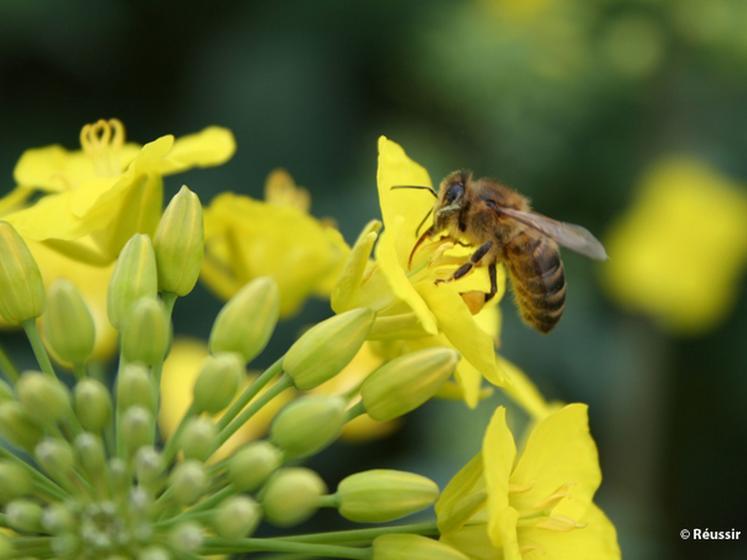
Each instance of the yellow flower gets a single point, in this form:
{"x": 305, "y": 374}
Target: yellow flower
{"x": 679, "y": 253}
{"x": 97, "y": 197}
{"x": 534, "y": 507}
{"x": 246, "y": 238}
{"x": 180, "y": 372}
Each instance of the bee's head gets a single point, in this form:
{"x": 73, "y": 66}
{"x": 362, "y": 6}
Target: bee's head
{"x": 451, "y": 198}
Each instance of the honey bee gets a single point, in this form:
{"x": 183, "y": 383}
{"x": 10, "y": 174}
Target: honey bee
{"x": 500, "y": 224}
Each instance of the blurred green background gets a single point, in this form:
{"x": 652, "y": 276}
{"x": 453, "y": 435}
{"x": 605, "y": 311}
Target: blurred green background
{"x": 567, "y": 101}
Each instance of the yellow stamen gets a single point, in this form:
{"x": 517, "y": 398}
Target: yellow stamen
{"x": 101, "y": 141}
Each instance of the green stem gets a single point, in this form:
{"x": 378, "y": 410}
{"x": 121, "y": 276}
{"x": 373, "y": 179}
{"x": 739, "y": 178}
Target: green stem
{"x": 201, "y": 508}
{"x": 80, "y": 371}
{"x": 42, "y": 482}
{"x": 354, "y": 411}
{"x": 173, "y": 442}
{"x": 169, "y": 299}
{"x": 249, "y": 393}
{"x": 38, "y": 347}
{"x": 277, "y": 545}
{"x": 281, "y": 385}
{"x": 330, "y": 501}
{"x": 427, "y": 528}
{"x": 7, "y": 367}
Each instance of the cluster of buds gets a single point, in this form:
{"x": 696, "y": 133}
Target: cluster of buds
{"x": 85, "y": 474}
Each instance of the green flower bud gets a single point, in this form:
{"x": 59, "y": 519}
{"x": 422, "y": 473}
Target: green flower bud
{"x": 406, "y": 382}
{"x": 39, "y": 393}
{"x": 119, "y": 476}
{"x": 55, "y": 456}
{"x": 247, "y": 321}
{"x": 6, "y": 547}
{"x": 134, "y": 387}
{"x": 253, "y": 464}
{"x": 137, "y": 428}
{"x": 351, "y": 276}
{"x": 186, "y": 537}
{"x": 21, "y": 287}
{"x": 217, "y": 382}
{"x": 327, "y": 347}
{"x": 291, "y": 496}
{"x": 237, "y": 517}
{"x": 68, "y": 325}
{"x": 179, "y": 243}
{"x": 134, "y": 277}
{"x": 154, "y": 553}
{"x": 189, "y": 481}
{"x": 93, "y": 404}
{"x": 18, "y": 427}
{"x": 24, "y": 516}
{"x": 146, "y": 333}
{"x": 15, "y": 482}
{"x": 381, "y": 495}
{"x": 308, "y": 424}
{"x": 57, "y": 518}
{"x": 199, "y": 438}
{"x": 90, "y": 453}
{"x": 65, "y": 545}
{"x": 149, "y": 464}
{"x": 6, "y": 392}
{"x": 404, "y": 546}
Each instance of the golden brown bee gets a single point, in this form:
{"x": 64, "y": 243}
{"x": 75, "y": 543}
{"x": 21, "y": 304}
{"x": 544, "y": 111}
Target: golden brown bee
{"x": 500, "y": 224}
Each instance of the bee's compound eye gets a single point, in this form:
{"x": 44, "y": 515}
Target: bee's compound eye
{"x": 454, "y": 191}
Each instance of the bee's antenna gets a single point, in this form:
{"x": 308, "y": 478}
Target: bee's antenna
{"x": 417, "y": 187}
{"x": 422, "y": 223}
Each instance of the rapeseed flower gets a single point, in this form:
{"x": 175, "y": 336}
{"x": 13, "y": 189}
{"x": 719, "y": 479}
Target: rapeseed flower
{"x": 536, "y": 505}
{"x": 679, "y": 252}
{"x": 276, "y": 237}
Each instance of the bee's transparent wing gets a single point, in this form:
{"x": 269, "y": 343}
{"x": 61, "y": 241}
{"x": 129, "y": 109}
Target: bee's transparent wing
{"x": 571, "y": 236}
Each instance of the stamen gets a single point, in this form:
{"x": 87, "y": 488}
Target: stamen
{"x": 101, "y": 141}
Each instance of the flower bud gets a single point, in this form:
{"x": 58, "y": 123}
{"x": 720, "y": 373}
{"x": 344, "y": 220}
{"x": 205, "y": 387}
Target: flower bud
{"x": 24, "y": 516}
{"x": 134, "y": 387}
{"x": 345, "y": 291}
{"x": 15, "y": 482}
{"x": 327, "y": 347}
{"x": 146, "y": 332}
{"x": 405, "y": 383}
{"x": 292, "y": 496}
{"x": 253, "y": 464}
{"x": 308, "y": 424}
{"x": 6, "y": 547}
{"x": 149, "y": 464}
{"x": 179, "y": 243}
{"x": 21, "y": 287}
{"x": 119, "y": 476}
{"x": 154, "y": 553}
{"x": 40, "y": 392}
{"x": 134, "y": 277}
{"x": 247, "y": 321}
{"x": 68, "y": 325}
{"x": 186, "y": 537}
{"x": 137, "y": 428}
{"x": 217, "y": 382}
{"x": 6, "y": 392}
{"x": 189, "y": 481}
{"x": 57, "y": 518}
{"x": 237, "y": 517}
{"x": 90, "y": 453}
{"x": 381, "y": 495}
{"x": 65, "y": 545}
{"x": 405, "y": 546}
{"x": 18, "y": 427}
{"x": 93, "y": 404}
{"x": 199, "y": 438}
{"x": 56, "y": 457}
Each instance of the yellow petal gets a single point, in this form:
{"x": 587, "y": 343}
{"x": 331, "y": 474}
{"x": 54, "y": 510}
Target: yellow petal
{"x": 473, "y": 541}
{"x": 395, "y": 168}
{"x": 463, "y": 497}
{"x": 281, "y": 189}
{"x": 522, "y": 391}
{"x": 457, "y": 323}
{"x": 15, "y": 199}
{"x": 560, "y": 460}
{"x": 499, "y": 452}
{"x": 212, "y": 146}
{"x": 391, "y": 267}
{"x": 595, "y": 540}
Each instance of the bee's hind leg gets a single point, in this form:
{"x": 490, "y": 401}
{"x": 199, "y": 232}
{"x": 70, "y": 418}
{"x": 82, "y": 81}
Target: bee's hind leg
{"x": 474, "y": 260}
{"x": 493, "y": 282}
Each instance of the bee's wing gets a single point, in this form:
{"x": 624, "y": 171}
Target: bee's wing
{"x": 571, "y": 236}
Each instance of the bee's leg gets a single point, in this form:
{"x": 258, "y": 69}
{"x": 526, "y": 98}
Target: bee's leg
{"x": 475, "y": 259}
{"x": 493, "y": 282}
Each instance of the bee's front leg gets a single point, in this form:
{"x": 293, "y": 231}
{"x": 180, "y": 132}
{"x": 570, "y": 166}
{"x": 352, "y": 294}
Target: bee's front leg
{"x": 474, "y": 260}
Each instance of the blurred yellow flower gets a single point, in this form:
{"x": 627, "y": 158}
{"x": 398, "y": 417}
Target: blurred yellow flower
{"x": 97, "y": 197}
{"x": 246, "y": 238}
{"x": 539, "y": 506}
{"x": 679, "y": 252}
{"x": 180, "y": 372}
